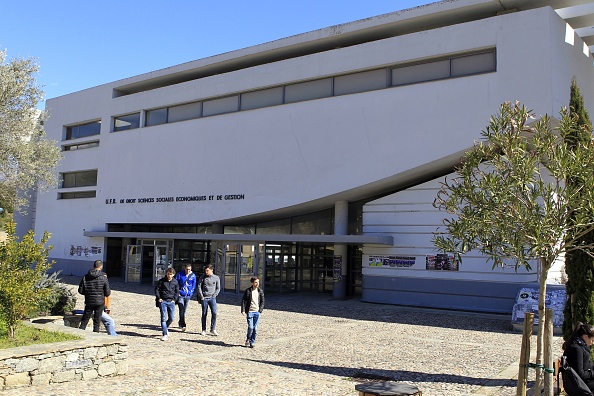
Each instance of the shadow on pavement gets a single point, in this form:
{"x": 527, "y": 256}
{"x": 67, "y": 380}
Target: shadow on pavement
{"x": 364, "y": 374}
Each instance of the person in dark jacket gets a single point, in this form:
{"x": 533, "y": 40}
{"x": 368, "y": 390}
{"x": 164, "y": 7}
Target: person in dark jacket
{"x": 95, "y": 287}
{"x": 167, "y": 293}
{"x": 252, "y": 304}
{"x": 577, "y": 351}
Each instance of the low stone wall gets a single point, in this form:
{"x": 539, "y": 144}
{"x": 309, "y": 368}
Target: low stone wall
{"x": 95, "y": 355}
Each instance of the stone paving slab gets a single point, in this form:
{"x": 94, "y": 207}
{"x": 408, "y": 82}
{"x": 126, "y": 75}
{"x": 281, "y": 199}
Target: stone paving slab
{"x": 307, "y": 345}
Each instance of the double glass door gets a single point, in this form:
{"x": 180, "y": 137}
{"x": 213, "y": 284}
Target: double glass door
{"x": 240, "y": 263}
{"x": 281, "y": 268}
{"x": 147, "y": 261}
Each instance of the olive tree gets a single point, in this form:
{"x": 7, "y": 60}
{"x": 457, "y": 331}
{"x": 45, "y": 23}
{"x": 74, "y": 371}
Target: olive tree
{"x": 510, "y": 200}
{"x": 28, "y": 159}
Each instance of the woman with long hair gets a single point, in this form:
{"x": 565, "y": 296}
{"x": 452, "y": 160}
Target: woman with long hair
{"x": 577, "y": 351}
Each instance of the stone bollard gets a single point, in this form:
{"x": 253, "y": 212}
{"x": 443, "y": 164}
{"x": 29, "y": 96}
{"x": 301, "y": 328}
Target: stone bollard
{"x": 387, "y": 389}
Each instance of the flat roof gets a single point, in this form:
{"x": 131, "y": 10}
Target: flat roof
{"x": 260, "y": 238}
{"x": 578, "y": 13}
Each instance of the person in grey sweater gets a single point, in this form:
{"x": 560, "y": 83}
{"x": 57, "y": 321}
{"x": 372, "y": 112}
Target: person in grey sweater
{"x": 209, "y": 286}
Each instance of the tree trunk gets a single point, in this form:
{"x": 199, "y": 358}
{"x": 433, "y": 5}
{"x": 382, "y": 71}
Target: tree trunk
{"x": 548, "y": 353}
{"x": 544, "y": 269}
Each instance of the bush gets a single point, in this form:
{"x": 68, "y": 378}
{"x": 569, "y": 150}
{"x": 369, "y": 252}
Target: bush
{"x": 60, "y": 299}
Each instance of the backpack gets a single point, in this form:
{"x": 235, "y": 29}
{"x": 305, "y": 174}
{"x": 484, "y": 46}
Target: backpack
{"x": 572, "y": 383}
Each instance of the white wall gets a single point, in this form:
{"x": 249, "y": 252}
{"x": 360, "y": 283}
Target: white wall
{"x": 409, "y": 216}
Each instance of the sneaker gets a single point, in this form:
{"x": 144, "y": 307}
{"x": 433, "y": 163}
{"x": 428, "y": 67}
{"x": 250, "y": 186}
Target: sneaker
{"x": 252, "y": 345}
{"x": 183, "y": 329}
{"x": 203, "y": 332}
{"x": 247, "y": 343}
{"x": 214, "y": 333}
{"x": 164, "y": 338}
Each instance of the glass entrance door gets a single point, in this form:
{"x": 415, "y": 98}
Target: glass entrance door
{"x": 240, "y": 264}
{"x": 230, "y": 253}
{"x": 157, "y": 256}
{"x": 133, "y": 263}
{"x": 281, "y": 268}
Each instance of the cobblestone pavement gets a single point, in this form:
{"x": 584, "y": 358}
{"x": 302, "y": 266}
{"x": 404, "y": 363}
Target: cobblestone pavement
{"x": 307, "y": 345}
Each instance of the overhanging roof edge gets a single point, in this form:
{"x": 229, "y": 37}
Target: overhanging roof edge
{"x": 347, "y": 239}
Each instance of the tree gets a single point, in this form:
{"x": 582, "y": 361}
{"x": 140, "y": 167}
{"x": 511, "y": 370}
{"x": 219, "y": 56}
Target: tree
{"x": 22, "y": 266}
{"x": 510, "y": 200}
{"x": 28, "y": 159}
{"x": 579, "y": 266}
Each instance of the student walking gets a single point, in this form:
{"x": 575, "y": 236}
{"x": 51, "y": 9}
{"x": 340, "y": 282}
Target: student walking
{"x": 95, "y": 287}
{"x": 187, "y": 286}
{"x": 209, "y": 286}
{"x": 252, "y": 304}
{"x": 166, "y": 293}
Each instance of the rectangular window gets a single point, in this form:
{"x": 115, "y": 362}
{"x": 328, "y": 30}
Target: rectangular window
{"x": 473, "y": 64}
{"x": 81, "y": 146}
{"x": 360, "y": 82}
{"x": 83, "y": 130}
{"x": 79, "y": 179}
{"x": 262, "y": 98}
{"x": 75, "y": 195}
{"x": 220, "y": 106}
{"x": 308, "y": 90}
{"x": 185, "y": 112}
{"x": 421, "y": 72}
{"x": 125, "y": 122}
{"x": 156, "y": 117}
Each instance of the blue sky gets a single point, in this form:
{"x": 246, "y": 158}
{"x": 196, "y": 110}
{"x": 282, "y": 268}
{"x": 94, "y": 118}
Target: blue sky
{"x": 81, "y": 44}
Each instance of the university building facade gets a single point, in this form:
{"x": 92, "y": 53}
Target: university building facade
{"x": 312, "y": 161}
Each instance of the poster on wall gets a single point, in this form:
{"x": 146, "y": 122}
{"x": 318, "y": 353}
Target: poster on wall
{"x": 441, "y": 262}
{"x": 337, "y": 268}
{"x": 392, "y": 261}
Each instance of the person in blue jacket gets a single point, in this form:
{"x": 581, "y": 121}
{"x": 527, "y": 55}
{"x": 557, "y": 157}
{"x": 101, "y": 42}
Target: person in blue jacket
{"x": 187, "y": 286}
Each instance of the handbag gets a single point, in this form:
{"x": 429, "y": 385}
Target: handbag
{"x": 157, "y": 303}
{"x": 572, "y": 383}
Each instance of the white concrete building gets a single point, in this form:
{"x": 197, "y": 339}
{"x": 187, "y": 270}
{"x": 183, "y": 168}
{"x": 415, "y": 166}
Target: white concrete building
{"x": 309, "y": 159}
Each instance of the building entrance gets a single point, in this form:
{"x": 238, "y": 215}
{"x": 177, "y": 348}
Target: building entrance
{"x": 147, "y": 261}
{"x": 240, "y": 263}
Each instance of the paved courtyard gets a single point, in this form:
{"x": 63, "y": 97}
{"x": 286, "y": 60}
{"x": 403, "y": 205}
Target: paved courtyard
{"x": 307, "y": 345}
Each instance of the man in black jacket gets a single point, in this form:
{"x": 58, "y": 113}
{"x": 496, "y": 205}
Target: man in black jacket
{"x": 95, "y": 287}
{"x": 167, "y": 293}
{"x": 252, "y": 305}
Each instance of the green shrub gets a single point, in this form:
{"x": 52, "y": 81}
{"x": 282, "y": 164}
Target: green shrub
{"x": 59, "y": 300}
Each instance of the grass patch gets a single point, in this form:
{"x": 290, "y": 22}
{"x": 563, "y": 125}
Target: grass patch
{"x": 29, "y": 335}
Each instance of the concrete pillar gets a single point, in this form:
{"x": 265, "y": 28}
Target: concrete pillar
{"x": 341, "y": 227}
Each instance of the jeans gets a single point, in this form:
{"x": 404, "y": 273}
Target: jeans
{"x": 252, "y": 321}
{"x": 182, "y": 304}
{"x": 167, "y": 315}
{"x": 109, "y": 324}
{"x": 95, "y": 311}
{"x": 212, "y": 303}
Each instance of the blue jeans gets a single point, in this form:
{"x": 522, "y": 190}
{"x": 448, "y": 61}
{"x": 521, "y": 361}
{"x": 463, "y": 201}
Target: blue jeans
{"x": 252, "y": 320}
{"x": 182, "y": 304}
{"x": 212, "y": 303}
{"x": 109, "y": 324}
{"x": 167, "y": 315}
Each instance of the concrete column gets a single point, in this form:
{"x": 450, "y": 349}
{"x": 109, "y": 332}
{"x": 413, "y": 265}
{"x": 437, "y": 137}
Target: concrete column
{"x": 341, "y": 226}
